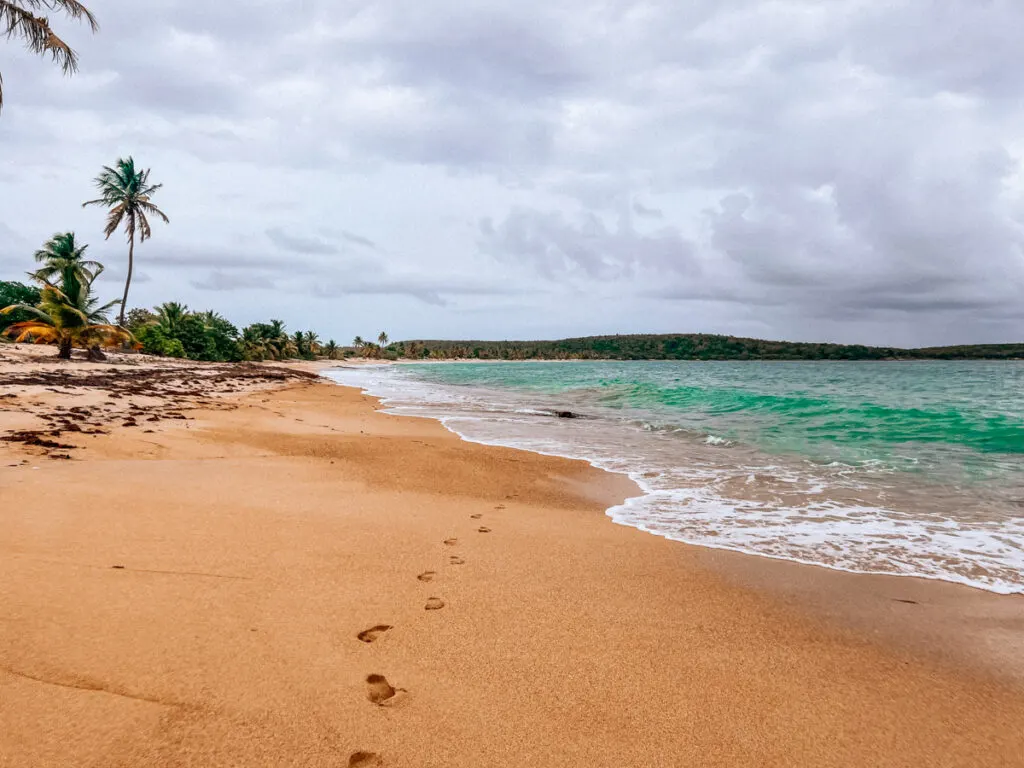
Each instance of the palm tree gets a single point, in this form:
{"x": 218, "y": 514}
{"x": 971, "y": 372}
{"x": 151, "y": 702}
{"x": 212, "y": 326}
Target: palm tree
{"x": 67, "y": 318}
{"x": 254, "y": 344}
{"x": 18, "y": 19}
{"x": 312, "y": 343}
{"x": 62, "y": 257}
{"x": 298, "y": 344}
{"x": 358, "y": 342}
{"x": 382, "y": 339}
{"x": 126, "y": 192}
{"x": 170, "y": 314}
{"x": 331, "y": 349}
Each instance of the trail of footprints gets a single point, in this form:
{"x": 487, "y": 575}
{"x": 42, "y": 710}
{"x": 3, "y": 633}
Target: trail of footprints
{"x": 378, "y": 690}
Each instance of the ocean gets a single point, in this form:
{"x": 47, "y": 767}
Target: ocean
{"x": 913, "y": 469}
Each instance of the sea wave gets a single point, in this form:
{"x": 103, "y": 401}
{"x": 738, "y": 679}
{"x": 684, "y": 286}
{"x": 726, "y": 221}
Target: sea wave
{"x": 708, "y": 490}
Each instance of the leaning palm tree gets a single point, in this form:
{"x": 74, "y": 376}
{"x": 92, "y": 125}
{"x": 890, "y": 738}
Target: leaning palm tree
{"x": 127, "y": 193}
{"x": 18, "y": 18}
{"x": 68, "y": 317}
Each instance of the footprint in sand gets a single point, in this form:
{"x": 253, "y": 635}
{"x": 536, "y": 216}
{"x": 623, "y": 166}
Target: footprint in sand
{"x": 484, "y": 529}
{"x": 373, "y": 633}
{"x": 364, "y": 760}
{"x": 500, "y": 506}
{"x": 455, "y": 560}
{"x": 379, "y": 690}
{"x": 477, "y": 516}
{"x": 427, "y": 576}
{"x": 451, "y": 542}
{"x": 434, "y": 604}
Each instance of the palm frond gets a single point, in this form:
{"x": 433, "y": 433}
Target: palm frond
{"x": 19, "y": 18}
{"x": 150, "y": 208}
{"x": 25, "y": 308}
{"x": 144, "y": 231}
{"x": 40, "y": 333}
{"x": 16, "y": 21}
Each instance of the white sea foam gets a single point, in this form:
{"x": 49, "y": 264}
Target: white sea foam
{"x": 714, "y": 493}
{"x": 714, "y": 440}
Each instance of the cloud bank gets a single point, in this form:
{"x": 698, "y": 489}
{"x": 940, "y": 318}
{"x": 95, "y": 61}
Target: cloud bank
{"x": 846, "y": 171}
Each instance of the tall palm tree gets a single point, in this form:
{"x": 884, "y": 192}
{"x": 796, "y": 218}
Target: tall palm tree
{"x": 64, "y": 259}
{"x": 127, "y": 193}
{"x": 358, "y": 342}
{"x": 68, "y": 317}
{"x": 331, "y": 349}
{"x": 382, "y": 339}
{"x": 18, "y": 18}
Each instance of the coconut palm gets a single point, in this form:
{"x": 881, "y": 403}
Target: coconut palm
{"x": 266, "y": 340}
{"x": 382, "y": 339}
{"x": 68, "y": 318}
{"x": 331, "y": 349}
{"x": 255, "y": 346}
{"x": 18, "y": 18}
{"x": 127, "y": 193}
{"x": 63, "y": 260}
{"x": 312, "y": 343}
{"x": 170, "y": 314}
{"x": 358, "y": 342}
{"x": 298, "y": 344}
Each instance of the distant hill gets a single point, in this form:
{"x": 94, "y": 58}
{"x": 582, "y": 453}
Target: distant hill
{"x": 690, "y": 346}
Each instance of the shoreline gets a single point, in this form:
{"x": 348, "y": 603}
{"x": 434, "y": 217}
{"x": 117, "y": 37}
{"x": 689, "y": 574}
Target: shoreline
{"x": 798, "y": 583}
{"x": 394, "y": 402}
{"x": 192, "y": 596}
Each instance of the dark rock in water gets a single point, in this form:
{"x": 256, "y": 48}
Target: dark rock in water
{"x": 566, "y": 415}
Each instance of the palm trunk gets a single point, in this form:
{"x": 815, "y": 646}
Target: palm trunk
{"x": 128, "y": 280}
{"x": 64, "y": 352}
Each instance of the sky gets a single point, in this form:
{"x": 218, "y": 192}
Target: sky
{"x": 845, "y": 171}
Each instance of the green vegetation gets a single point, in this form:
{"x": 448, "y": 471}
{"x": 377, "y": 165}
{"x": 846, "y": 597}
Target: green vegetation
{"x": 127, "y": 194}
{"x": 694, "y": 346}
{"x": 17, "y": 293}
{"x": 67, "y": 313}
{"x": 18, "y": 18}
{"x": 379, "y": 350}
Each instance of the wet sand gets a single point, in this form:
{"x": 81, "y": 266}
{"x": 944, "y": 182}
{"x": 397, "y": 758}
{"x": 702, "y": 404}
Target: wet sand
{"x": 285, "y": 577}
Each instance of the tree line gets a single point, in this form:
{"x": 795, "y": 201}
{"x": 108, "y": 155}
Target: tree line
{"x": 689, "y": 346}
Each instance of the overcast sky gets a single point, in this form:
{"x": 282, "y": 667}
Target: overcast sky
{"x": 848, "y": 170}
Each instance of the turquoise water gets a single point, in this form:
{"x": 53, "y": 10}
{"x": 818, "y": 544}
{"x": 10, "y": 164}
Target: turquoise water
{"x": 909, "y": 468}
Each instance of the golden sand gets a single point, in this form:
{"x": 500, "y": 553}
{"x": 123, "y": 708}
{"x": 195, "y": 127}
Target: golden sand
{"x": 287, "y": 578}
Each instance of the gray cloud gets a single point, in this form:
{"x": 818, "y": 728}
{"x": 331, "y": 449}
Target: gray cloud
{"x": 555, "y": 246}
{"x": 219, "y": 280}
{"x": 800, "y": 169}
{"x": 359, "y": 240}
{"x": 649, "y": 213}
{"x": 300, "y": 243}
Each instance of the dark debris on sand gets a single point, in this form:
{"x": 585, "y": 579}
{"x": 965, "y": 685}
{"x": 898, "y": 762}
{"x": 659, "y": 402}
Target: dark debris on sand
{"x": 174, "y": 388}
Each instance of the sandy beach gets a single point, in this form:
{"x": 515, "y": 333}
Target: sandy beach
{"x": 216, "y": 565}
